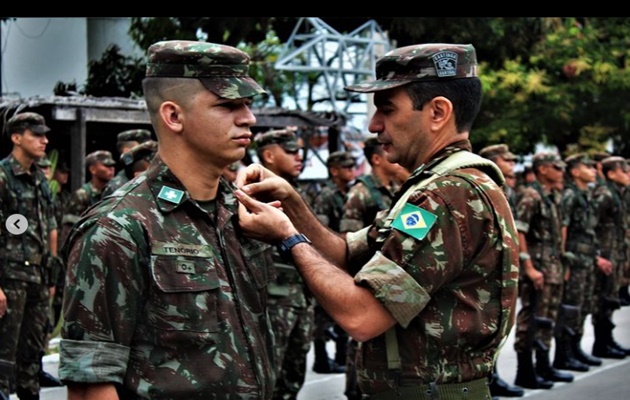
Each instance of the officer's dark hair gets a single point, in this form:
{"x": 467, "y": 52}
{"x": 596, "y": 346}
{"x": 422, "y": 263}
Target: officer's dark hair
{"x": 371, "y": 146}
{"x": 465, "y": 94}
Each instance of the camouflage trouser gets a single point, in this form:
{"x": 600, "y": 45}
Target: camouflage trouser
{"x": 293, "y": 331}
{"x": 549, "y": 300}
{"x": 353, "y": 391}
{"x": 23, "y": 334}
{"x": 606, "y": 293}
{"x": 579, "y": 290}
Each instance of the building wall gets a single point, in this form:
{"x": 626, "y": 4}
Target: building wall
{"x": 39, "y": 52}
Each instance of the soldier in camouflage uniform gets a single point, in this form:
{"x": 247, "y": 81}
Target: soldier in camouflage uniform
{"x": 371, "y": 193}
{"x": 501, "y": 155}
{"x": 580, "y": 242}
{"x": 165, "y": 298}
{"x": 610, "y": 230}
{"x": 100, "y": 164}
{"x": 624, "y": 294}
{"x": 26, "y": 259}
{"x": 538, "y": 219}
{"x": 125, "y": 141}
{"x": 328, "y": 205}
{"x": 291, "y": 307}
{"x": 429, "y": 289}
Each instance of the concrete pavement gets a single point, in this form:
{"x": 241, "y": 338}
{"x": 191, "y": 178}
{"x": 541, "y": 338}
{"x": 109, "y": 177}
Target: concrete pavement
{"x": 610, "y": 381}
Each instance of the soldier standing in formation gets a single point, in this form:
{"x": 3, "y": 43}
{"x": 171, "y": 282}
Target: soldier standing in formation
{"x": 291, "y": 307}
{"x": 26, "y": 260}
{"x": 610, "y": 230}
{"x": 501, "y": 155}
{"x": 581, "y": 250}
{"x": 192, "y": 322}
{"x": 100, "y": 165}
{"x": 125, "y": 141}
{"x": 420, "y": 268}
{"x": 538, "y": 221}
{"x": 328, "y": 205}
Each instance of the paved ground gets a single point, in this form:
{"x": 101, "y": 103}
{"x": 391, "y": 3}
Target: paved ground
{"x": 610, "y": 381}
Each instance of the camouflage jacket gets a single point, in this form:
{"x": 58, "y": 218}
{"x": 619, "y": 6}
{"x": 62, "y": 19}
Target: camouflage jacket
{"x": 578, "y": 216}
{"x": 117, "y": 181}
{"x": 538, "y": 216}
{"x": 610, "y": 229}
{"x": 21, "y": 192}
{"x": 364, "y": 200}
{"x": 80, "y": 200}
{"x": 450, "y": 284}
{"x": 328, "y": 206}
{"x": 165, "y": 297}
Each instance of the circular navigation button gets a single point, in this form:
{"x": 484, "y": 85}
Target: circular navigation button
{"x": 16, "y": 224}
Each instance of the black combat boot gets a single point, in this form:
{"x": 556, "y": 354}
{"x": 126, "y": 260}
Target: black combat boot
{"x": 564, "y": 358}
{"x": 546, "y": 371}
{"x": 526, "y": 374}
{"x": 624, "y": 296}
{"x": 500, "y": 388}
{"x": 323, "y": 364}
{"x": 580, "y": 355}
{"x": 45, "y": 379}
{"x": 602, "y": 345}
{"x": 341, "y": 347}
{"x": 24, "y": 394}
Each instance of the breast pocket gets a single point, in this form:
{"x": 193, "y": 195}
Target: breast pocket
{"x": 185, "y": 295}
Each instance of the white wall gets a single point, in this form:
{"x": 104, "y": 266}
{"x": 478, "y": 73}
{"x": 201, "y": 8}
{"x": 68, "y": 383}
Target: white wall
{"x": 39, "y": 52}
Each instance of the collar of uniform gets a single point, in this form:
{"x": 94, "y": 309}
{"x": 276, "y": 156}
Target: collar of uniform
{"x": 18, "y": 170}
{"x": 441, "y": 155}
{"x": 158, "y": 176}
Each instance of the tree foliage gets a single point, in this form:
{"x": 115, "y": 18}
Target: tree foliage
{"x": 559, "y": 81}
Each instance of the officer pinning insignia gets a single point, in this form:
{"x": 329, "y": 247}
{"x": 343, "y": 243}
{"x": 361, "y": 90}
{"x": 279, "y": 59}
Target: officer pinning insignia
{"x": 414, "y": 221}
{"x": 171, "y": 195}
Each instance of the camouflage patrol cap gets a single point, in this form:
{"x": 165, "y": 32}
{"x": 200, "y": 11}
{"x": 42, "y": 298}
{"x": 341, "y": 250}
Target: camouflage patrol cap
{"x": 547, "y": 158}
{"x": 340, "y": 159}
{"x": 494, "y": 150}
{"x": 144, "y": 151}
{"x": 223, "y": 70}
{"x": 43, "y": 162}
{"x": 286, "y": 138}
{"x": 614, "y": 162}
{"x": 598, "y": 156}
{"x": 102, "y": 156}
{"x": 579, "y": 158}
{"x": 421, "y": 62}
{"x": 135, "y": 135}
{"x": 27, "y": 120}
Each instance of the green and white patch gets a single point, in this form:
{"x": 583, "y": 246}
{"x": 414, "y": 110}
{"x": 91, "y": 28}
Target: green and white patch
{"x": 414, "y": 221}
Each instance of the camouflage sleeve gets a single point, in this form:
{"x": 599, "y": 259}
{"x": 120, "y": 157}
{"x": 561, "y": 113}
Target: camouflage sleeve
{"x": 321, "y": 208}
{"x": 102, "y": 301}
{"x": 355, "y": 208}
{"x": 568, "y": 204}
{"x": 526, "y": 206}
{"x": 414, "y": 266}
{"x": 75, "y": 207}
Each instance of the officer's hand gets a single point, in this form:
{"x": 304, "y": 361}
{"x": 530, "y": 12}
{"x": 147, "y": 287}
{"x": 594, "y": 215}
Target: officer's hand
{"x": 263, "y": 221}
{"x": 257, "y": 181}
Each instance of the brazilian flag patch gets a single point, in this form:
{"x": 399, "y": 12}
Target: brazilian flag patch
{"x": 414, "y": 221}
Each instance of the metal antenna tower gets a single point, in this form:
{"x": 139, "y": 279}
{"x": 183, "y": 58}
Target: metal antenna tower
{"x": 325, "y": 61}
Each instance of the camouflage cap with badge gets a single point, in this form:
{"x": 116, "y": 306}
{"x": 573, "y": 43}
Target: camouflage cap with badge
{"x": 134, "y": 135}
{"x": 26, "y": 120}
{"x": 421, "y": 62}
{"x": 341, "y": 159}
{"x": 144, "y": 151}
{"x": 102, "y": 156}
{"x": 575, "y": 160}
{"x": 222, "y": 69}
{"x": 286, "y": 138}
{"x": 544, "y": 158}
{"x": 498, "y": 150}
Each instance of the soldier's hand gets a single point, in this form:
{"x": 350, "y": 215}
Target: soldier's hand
{"x": 3, "y": 303}
{"x": 604, "y": 265}
{"x": 537, "y": 278}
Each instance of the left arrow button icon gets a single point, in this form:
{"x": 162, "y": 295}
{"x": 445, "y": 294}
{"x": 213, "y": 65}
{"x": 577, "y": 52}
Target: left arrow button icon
{"x": 16, "y": 224}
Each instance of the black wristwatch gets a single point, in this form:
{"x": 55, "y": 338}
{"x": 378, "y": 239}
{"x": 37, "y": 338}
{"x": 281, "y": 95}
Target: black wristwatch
{"x": 284, "y": 248}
